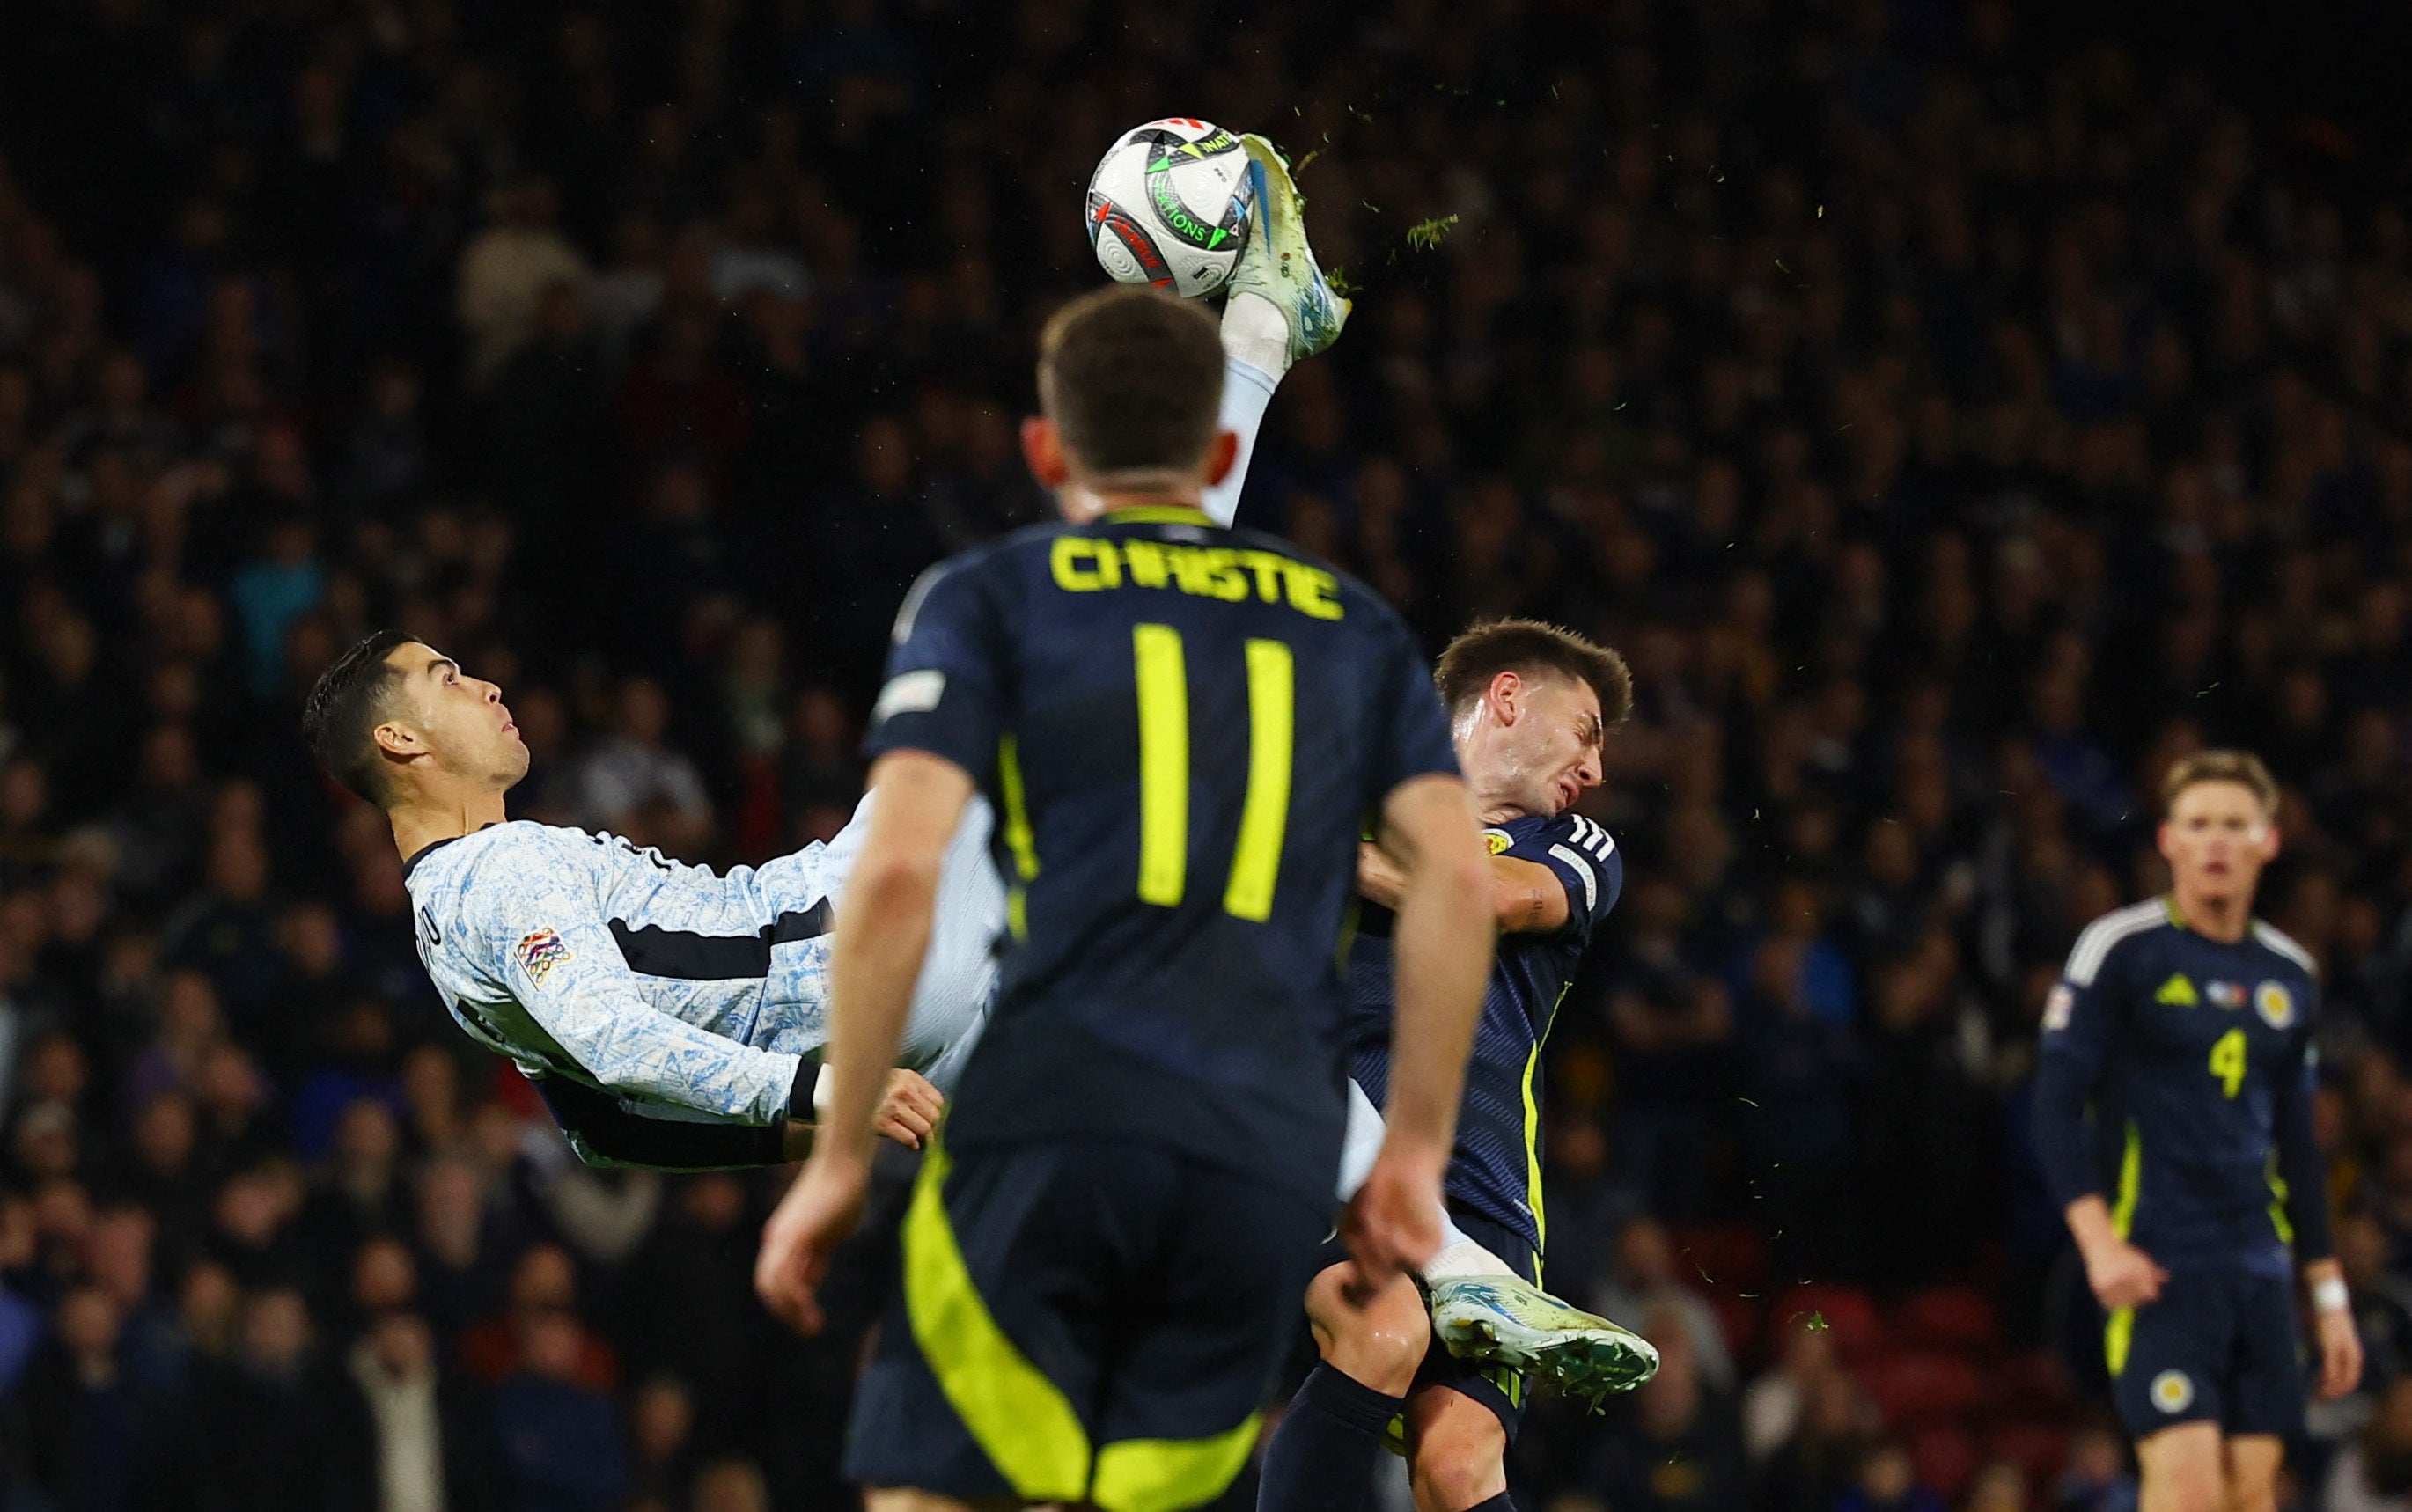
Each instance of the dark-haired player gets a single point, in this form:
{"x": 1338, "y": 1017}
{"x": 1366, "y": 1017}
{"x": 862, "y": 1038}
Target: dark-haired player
{"x": 2173, "y": 1116}
{"x": 1529, "y": 707}
{"x": 670, "y": 1015}
{"x": 1182, "y": 729}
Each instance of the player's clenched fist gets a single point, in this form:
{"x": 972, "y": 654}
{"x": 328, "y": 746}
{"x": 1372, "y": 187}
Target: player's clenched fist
{"x": 910, "y": 1109}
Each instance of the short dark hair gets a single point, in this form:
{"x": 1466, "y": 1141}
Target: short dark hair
{"x": 1527, "y": 647}
{"x": 1133, "y": 378}
{"x": 2242, "y": 768}
{"x": 341, "y": 716}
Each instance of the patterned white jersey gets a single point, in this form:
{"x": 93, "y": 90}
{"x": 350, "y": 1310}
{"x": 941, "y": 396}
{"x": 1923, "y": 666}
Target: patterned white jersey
{"x": 584, "y": 957}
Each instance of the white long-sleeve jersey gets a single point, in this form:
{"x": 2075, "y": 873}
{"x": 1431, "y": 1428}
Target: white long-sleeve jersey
{"x": 583, "y": 956}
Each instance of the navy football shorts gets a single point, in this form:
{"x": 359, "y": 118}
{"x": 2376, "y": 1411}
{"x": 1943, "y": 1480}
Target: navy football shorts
{"x": 2219, "y": 1346}
{"x": 1082, "y": 1322}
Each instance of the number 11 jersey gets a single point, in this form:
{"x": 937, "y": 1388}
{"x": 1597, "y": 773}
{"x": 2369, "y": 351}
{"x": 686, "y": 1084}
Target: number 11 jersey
{"x": 1183, "y": 729}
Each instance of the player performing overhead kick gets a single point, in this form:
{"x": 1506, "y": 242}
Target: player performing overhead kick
{"x": 670, "y": 1015}
{"x": 2184, "y": 1024}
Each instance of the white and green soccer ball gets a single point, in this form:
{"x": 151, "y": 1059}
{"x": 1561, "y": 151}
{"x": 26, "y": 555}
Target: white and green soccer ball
{"x": 1169, "y": 206}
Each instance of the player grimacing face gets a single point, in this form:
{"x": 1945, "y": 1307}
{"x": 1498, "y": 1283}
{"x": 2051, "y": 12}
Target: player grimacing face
{"x": 1545, "y": 745}
{"x": 2216, "y": 840}
{"x": 459, "y": 720}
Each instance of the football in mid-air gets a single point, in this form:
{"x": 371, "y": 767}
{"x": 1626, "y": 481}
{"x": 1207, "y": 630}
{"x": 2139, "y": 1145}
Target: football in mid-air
{"x": 1169, "y": 206}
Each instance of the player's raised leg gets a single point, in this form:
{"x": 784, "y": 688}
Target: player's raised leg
{"x": 1482, "y": 1309}
{"x": 1281, "y": 308}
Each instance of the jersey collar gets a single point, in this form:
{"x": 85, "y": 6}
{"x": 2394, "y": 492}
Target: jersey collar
{"x": 1156, "y": 514}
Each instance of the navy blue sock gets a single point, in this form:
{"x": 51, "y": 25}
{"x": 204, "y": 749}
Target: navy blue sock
{"x": 1321, "y": 1457}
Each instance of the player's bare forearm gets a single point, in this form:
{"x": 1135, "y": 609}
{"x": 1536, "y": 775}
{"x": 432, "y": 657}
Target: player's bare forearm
{"x": 1380, "y": 878}
{"x": 883, "y": 930}
{"x": 1443, "y": 940}
{"x": 1526, "y": 897}
{"x": 2089, "y": 1224}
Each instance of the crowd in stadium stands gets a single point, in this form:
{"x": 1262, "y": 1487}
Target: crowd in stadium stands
{"x": 1948, "y": 434}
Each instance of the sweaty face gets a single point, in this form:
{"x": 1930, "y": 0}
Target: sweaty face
{"x": 461, "y": 721}
{"x": 1550, "y": 751}
{"x": 2217, "y": 838}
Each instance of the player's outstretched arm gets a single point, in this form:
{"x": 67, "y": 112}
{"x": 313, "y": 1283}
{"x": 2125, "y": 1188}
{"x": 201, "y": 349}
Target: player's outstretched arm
{"x": 1443, "y": 940}
{"x": 882, "y": 932}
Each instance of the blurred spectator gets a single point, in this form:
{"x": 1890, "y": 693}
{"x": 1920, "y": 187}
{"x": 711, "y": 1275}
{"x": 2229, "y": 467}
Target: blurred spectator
{"x": 1888, "y": 1483}
{"x": 561, "y": 1450}
{"x": 1646, "y": 1279}
{"x": 432, "y": 1453}
{"x": 507, "y": 269}
{"x": 1675, "y": 1450}
{"x": 278, "y": 1425}
{"x": 635, "y": 786}
{"x": 2095, "y": 1477}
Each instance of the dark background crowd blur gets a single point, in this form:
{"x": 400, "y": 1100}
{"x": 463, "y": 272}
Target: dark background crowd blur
{"x": 1952, "y": 418}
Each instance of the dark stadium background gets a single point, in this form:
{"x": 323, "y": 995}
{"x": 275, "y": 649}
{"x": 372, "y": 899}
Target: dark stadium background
{"x": 1954, "y": 411}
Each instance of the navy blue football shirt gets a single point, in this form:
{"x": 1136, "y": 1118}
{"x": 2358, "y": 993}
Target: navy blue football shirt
{"x": 1185, "y": 728}
{"x": 1495, "y": 1170}
{"x": 2194, "y": 1058}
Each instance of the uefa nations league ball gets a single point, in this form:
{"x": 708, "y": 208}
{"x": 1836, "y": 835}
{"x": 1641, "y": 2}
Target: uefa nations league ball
{"x": 1169, "y": 206}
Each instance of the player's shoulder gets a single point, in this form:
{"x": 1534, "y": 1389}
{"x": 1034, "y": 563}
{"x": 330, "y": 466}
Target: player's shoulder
{"x": 517, "y": 855}
{"x": 1576, "y": 841}
{"x": 964, "y": 570}
{"x": 2279, "y": 943}
{"x": 2116, "y": 933}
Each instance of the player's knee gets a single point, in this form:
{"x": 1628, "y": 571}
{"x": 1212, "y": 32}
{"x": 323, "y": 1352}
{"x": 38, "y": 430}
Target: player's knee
{"x": 1460, "y": 1453}
{"x": 2176, "y": 1481}
{"x": 1378, "y": 1345}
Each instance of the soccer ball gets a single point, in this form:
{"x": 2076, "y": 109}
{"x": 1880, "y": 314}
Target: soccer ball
{"x": 1169, "y": 206}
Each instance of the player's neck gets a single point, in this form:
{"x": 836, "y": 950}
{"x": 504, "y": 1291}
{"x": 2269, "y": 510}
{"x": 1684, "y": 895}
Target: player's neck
{"x": 422, "y": 821}
{"x": 1081, "y": 502}
{"x": 2223, "y": 917}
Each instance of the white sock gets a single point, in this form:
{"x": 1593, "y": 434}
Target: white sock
{"x": 1256, "y": 353}
{"x": 1254, "y": 332}
{"x": 1460, "y": 1256}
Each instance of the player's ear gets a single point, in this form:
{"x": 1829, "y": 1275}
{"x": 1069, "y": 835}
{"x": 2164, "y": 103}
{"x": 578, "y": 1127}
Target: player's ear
{"x": 2161, "y": 840}
{"x": 2270, "y": 842}
{"x": 1221, "y": 454}
{"x": 1505, "y": 696}
{"x": 1042, "y": 447}
{"x": 398, "y": 743}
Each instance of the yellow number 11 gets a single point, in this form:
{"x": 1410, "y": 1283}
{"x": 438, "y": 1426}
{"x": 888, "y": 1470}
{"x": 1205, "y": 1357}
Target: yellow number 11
{"x": 1163, "y": 674}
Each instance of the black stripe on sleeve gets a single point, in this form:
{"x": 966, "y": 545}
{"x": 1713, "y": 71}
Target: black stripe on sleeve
{"x": 655, "y": 951}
